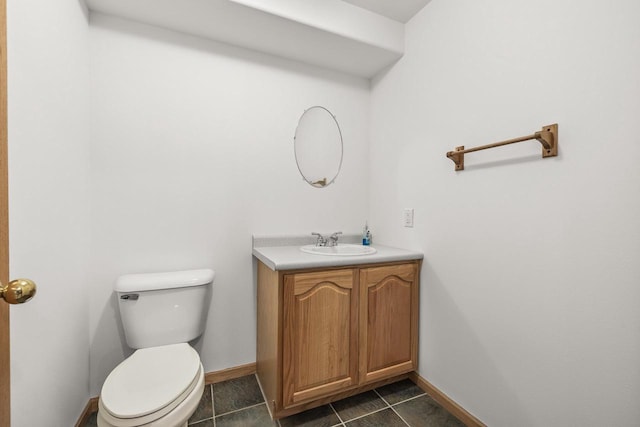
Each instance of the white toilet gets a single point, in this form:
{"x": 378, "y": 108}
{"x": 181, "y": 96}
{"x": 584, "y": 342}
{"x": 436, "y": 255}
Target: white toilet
{"x": 161, "y": 383}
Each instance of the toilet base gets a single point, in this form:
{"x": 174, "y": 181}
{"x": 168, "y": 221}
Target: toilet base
{"x": 178, "y": 417}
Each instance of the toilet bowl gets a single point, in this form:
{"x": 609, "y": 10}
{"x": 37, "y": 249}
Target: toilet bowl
{"x": 159, "y": 386}
{"x": 162, "y": 382}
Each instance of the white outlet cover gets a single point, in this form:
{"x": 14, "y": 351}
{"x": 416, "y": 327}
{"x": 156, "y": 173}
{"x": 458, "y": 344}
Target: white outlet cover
{"x": 407, "y": 216}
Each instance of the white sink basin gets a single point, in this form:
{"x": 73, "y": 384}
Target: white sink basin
{"x": 342, "y": 249}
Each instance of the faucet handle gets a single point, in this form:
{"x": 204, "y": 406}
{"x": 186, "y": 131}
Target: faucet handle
{"x": 334, "y": 238}
{"x": 321, "y": 240}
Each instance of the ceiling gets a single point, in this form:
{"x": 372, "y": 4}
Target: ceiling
{"x": 357, "y": 37}
{"x": 398, "y": 10}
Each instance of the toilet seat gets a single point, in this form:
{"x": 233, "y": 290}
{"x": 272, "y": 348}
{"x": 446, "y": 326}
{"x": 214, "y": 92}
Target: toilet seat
{"x": 150, "y": 384}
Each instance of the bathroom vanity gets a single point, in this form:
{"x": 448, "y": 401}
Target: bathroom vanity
{"x": 330, "y": 327}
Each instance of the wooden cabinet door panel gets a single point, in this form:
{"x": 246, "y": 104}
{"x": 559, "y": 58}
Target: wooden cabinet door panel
{"x": 388, "y": 321}
{"x": 320, "y": 320}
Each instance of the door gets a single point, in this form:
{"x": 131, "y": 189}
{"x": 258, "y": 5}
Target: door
{"x": 388, "y": 321}
{"x": 5, "y": 405}
{"x": 21, "y": 290}
{"x": 320, "y": 334}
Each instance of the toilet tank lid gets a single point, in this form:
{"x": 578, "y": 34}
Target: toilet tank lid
{"x": 168, "y": 280}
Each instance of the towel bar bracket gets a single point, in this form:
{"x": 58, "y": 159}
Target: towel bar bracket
{"x": 548, "y": 137}
{"x": 458, "y": 158}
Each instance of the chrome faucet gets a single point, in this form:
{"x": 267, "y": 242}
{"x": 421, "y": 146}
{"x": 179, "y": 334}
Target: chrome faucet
{"x": 333, "y": 239}
{"x": 321, "y": 240}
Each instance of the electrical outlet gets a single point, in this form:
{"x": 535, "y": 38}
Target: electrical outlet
{"x": 407, "y": 217}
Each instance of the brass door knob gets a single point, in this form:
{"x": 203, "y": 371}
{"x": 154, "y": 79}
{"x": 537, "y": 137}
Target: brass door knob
{"x": 18, "y": 291}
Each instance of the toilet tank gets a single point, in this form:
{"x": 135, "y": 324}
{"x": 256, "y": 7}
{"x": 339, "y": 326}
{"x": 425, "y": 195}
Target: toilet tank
{"x": 164, "y": 308}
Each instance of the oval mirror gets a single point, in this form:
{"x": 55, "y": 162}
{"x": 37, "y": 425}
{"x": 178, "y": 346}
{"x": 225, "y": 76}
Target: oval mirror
{"x": 318, "y": 146}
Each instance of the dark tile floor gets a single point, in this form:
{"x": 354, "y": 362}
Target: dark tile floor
{"x": 239, "y": 403}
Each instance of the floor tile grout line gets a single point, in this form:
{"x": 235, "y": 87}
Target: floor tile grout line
{"x": 213, "y": 406}
{"x": 195, "y": 423}
{"x": 337, "y": 414}
{"x": 383, "y": 399}
{"x": 373, "y": 412}
{"x": 390, "y": 406}
{"x": 397, "y": 403}
{"x": 370, "y": 413}
{"x": 409, "y": 399}
{"x": 422, "y": 393}
{"x": 241, "y": 409}
{"x": 400, "y": 416}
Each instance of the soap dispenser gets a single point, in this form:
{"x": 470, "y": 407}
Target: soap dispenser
{"x": 366, "y": 235}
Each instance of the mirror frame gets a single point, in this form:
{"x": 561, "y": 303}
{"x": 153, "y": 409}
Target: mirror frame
{"x": 321, "y": 183}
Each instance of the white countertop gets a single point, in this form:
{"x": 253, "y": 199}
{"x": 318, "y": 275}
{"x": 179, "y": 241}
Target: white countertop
{"x": 292, "y": 258}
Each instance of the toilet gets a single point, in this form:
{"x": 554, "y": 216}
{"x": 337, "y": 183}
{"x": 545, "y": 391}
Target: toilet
{"x": 161, "y": 383}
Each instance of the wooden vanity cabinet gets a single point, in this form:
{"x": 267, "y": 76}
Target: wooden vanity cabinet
{"x": 325, "y": 334}
{"x": 388, "y": 321}
{"x": 320, "y": 354}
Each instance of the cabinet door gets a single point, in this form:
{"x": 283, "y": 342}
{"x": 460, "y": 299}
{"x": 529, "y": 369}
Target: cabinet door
{"x": 388, "y": 321}
{"x": 319, "y": 334}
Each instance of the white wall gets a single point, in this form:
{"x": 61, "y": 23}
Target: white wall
{"x": 529, "y": 305}
{"x": 192, "y": 152}
{"x": 529, "y": 298}
{"x": 49, "y": 209}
